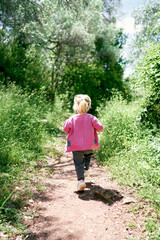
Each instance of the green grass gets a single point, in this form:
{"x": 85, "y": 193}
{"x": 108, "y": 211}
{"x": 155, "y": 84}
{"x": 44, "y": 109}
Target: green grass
{"x": 23, "y": 140}
{"x": 152, "y": 229}
{"x": 31, "y": 128}
{"x": 131, "y": 151}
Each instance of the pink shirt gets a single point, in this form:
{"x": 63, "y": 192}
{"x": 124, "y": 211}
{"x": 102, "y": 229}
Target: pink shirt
{"x": 82, "y": 132}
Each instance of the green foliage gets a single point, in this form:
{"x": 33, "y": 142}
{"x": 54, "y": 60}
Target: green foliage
{"x": 130, "y": 151}
{"x": 36, "y": 49}
{"x": 119, "y": 125}
{"x": 148, "y": 76}
{"x": 92, "y": 79}
{"x": 69, "y": 33}
{"x": 147, "y": 17}
{"x": 132, "y": 154}
{"x": 85, "y": 79}
{"x": 21, "y": 139}
{"x": 28, "y": 122}
{"x": 14, "y": 14}
{"x": 147, "y": 71}
{"x": 21, "y": 61}
{"x": 147, "y": 29}
{"x": 21, "y": 66}
{"x": 153, "y": 229}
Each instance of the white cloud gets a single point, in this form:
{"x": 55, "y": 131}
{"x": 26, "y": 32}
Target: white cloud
{"x": 127, "y": 23}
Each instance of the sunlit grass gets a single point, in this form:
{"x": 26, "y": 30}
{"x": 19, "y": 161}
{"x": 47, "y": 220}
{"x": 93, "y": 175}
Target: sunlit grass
{"x": 131, "y": 151}
{"x": 29, "y": 127}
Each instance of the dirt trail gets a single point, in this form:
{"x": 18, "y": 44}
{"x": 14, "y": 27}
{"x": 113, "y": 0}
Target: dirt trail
{"x": 65, "y": 214}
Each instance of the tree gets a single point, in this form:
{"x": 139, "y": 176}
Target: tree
{"x": 21, "y": 59}
{"x": 81, "y": 41}
{"x": 98, "y": 78}
{"x": 147, "y": 21}
{"x": 65, "y": 35}
{"x": 148, "y": 75}
{"x": 15, "y": 14}
{"x": 70, "y": 33}
{"x": 148, "y": 52}
{"x": 111, "y": 7}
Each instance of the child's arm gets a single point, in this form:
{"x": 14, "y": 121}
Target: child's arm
{"x": 97, "y": 125}
{"x": 67, "y": 126}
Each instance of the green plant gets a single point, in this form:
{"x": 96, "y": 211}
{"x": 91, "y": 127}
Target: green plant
{"x": 22, "y": 137}
{"x": 148, "y": 76}
{"x": 152, "y": 229}
{"x": 132, "y": 153}
{"x": 119, "y": 120}
{"x": 30, "y": 128}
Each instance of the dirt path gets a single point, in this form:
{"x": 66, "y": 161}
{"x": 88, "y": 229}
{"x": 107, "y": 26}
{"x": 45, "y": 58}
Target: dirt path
{"x": 65, "y": 214}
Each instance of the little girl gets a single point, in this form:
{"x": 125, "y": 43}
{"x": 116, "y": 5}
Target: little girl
{"x": 82, "y": 137}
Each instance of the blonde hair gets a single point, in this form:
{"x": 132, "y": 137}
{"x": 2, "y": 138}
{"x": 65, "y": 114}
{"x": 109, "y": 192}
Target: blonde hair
{"x": 82, "y": 103}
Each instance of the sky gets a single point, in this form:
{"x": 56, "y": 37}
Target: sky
{"x": 126, "y": 22}
{"x": 127, "y": 8}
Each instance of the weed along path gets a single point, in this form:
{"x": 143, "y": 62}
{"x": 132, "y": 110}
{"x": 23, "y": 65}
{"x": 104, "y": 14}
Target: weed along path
{"x": 102, "y": 212}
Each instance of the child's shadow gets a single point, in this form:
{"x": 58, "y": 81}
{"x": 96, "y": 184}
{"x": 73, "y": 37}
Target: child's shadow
{"x": 95, "y": 192}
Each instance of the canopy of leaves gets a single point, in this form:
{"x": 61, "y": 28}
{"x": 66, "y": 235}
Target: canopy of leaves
{"x": 147, "y": 21}
{"x": 42, "y": 42}
{"x": 85, "y": 46}
{"x": 92, "y": 79}
{"x": 14, "y": 14}
{"x": 148, "y": 73}
{"x": 147, "y": 43}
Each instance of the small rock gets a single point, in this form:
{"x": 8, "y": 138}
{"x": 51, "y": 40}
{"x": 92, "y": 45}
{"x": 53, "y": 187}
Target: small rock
{"x": 128, "y": 200}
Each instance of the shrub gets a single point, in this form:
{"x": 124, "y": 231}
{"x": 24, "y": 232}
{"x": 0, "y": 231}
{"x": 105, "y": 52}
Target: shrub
{"x": 130, "y": 150}
{"x": 148, "y": 76}
{"x": 93, "y": 79}
{"x": 118, "y": 119}
{"x": 21, "y": 135}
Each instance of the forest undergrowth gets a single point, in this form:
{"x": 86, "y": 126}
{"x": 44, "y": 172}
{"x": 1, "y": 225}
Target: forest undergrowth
{"x": 131, "y": 152}
{"x": 52, "y": 50}
{"x": 129, "y": 149}
{"x": 29, "y": 129}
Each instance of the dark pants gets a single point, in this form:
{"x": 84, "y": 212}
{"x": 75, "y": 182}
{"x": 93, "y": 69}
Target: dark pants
{"x": 82, "y": 162}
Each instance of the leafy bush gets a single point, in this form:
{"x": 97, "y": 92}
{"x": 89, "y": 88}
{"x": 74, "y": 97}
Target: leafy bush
{"x": 93, "y": 79}
{"x": 130, "y": 150}
{"x": 21, "y": 125}
{"x": 21, "y": 136}
{"x": 21, "y": 64}
{"x": 29, "y": 126}
{"x": 118, "y": 119}
{"x": 148, "y": 75}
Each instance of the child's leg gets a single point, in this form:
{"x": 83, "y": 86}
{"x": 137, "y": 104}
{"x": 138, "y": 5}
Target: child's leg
{"x": 87, "y": 159}
{"x": 79, "y": 164}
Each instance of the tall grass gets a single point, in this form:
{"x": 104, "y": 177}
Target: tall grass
{"x": 27, "y": 123}
{"x": 119, "y": 120}
{"x": 22, "y": 136}
{"x": 130, "y": 150}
